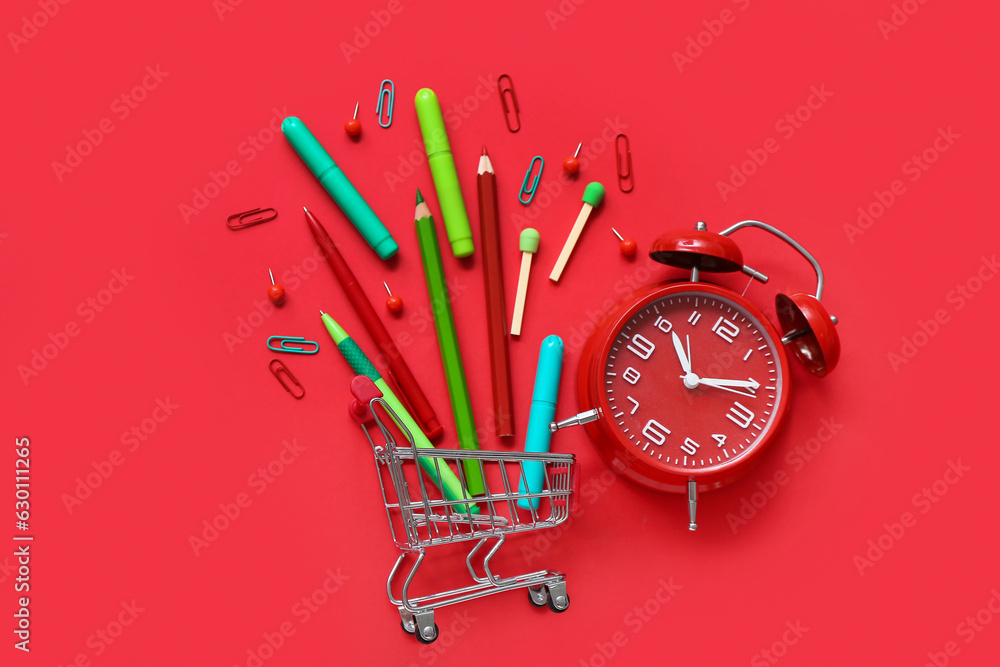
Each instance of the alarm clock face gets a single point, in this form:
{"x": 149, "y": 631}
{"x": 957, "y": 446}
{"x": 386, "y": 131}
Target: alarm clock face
{"x": 691, "y": 382}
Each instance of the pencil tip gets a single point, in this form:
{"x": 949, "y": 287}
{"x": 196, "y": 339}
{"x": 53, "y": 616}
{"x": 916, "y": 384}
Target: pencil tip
{"x": 305, "y": 209}
{"x": 484, "y": 150}
{"x": 420, "y": 197}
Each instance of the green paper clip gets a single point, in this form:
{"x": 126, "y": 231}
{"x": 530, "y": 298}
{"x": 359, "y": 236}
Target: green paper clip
{"x": 283, "y": 345}
{"x": 525, "y": 189}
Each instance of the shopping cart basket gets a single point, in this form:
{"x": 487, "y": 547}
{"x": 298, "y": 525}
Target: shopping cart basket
{"x": 418, "y": 520}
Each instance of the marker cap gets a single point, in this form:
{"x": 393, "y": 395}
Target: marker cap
{"x": 431, "y": 122}
{"x": 306, "y": 145}
{"x": 550, "y": 358}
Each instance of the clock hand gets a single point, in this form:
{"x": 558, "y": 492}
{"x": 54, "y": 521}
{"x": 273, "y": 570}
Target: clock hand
{"x": 684, "y": 359}
{"x": 721, "y": 384}
{"x": 691, "y": 381}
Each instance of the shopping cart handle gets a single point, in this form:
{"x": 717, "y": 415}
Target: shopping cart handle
{"x": 364, "y": 390}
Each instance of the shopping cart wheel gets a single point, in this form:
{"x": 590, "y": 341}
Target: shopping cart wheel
{"x": 427, "y": 640}
{"x": 538, "y": 595}
{"x": 558, "y": 597}
{"x": 407, "y": 621}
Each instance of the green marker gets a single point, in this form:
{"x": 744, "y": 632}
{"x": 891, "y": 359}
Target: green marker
{"x": 449, "y": 192}
{"x": 343, "y": 192}
{"x": 451, "y": 356}
{"x": 449, "y": 482}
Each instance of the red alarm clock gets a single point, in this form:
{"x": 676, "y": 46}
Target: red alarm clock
{"x": 683, "y": 384}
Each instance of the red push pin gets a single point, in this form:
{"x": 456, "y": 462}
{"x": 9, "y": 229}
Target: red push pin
{"x": 395, "y": 302}
{"x": 353, "y": 126}
{"x": 627, "y": 246}
{"x": 276, "y": 293}
{"x": 572, "y": 164}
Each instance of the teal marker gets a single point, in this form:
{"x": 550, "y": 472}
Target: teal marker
{"x": 449, "y": 482}
{"x": 343, "y": 192}
{"x": 543, "y": 412}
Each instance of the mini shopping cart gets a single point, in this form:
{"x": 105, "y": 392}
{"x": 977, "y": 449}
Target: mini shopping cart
{"x": 418, "y": 520}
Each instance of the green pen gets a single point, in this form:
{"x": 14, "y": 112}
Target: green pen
{"x": 343, "y": 192}
{"x": 449, "y": 482}
{"x": 442, "y": 164}
{"x": 451, "y": 355}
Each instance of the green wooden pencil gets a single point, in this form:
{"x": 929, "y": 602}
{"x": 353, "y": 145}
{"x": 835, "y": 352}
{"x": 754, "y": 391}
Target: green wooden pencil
{"x": 451, "y": 356}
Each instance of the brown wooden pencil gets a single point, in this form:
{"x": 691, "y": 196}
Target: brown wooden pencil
{"x": 496, "y": 317}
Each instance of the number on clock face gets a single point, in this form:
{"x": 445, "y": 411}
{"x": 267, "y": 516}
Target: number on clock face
{"x": 706, "y": 417}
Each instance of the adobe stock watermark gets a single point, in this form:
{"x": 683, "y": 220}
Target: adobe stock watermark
{"x": 103, "y": 637}
{"x": 923, "y": 502}
{"x": 121, "y": 108}
{"x": 967, "y": 629}
{"x": 246, "y": 152}
{"x": 956, "y": 299}
{"x": 913, "y": 168}
{"x": 131, "y": 440}
{"x": 562, "y": 12}
{"x": 898, "y": 17}
{"x": 454, "y": 114}
{"x": 292, "y": 279}
{"x": 7, "y": 569}
{"x": 786, "y": 127}
{"x": 448, "y": 636}
{"x": 635, "y": 620}
{"x": 364, "y": 34}
{"x": 486, "y": 428}
{"x": 713, "y": 29}
{"x": 229, "y": 511}
{"x": 302, "y": 610}
{"x": 59, "y": 340}
{"x": 551, "y": 188}
{"x": 590, "y": 492}
{"x": 422, "y": 319}
{"x": 31, "y": 24}
{"x": 779, "y": 648}
{"x": 639, "y": 276}
{"x": 224, "y": 7}
{"x": 798, "y": 458}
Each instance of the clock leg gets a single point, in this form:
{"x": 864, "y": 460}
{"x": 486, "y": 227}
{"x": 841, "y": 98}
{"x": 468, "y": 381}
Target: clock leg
{"x": 576, "y": 420}
{"x": 692, "y": 503}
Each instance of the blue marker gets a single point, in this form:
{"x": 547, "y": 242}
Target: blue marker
{"x": 543, "y": 411}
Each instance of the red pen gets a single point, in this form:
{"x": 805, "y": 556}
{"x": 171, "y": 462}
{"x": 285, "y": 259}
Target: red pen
{"x": 408, "y": 386}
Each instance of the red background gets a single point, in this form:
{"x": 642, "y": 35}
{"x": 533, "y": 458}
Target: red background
{"x": 164, "y": 335}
